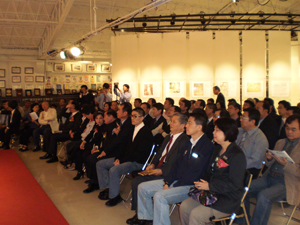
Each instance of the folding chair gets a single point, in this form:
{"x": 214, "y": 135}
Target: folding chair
{"x": 290, "y": 217}
{"x": 247, "y": 183}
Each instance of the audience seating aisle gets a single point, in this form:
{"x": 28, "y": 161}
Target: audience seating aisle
{"x": 128, "y": 150}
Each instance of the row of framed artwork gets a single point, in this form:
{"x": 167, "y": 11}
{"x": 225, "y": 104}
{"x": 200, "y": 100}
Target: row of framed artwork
{"x": 17, "y": 70}
{"x": 36, "y": 91}
{"x": 27, "y": 79}
{"x": 60, "y": 67}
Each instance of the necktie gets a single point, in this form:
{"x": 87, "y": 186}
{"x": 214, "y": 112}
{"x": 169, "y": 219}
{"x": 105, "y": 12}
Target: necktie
{"x": 161, "y": 161}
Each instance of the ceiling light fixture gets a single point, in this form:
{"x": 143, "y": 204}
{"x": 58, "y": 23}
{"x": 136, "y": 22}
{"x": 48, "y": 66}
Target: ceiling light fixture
{"x": 62, "y": 55}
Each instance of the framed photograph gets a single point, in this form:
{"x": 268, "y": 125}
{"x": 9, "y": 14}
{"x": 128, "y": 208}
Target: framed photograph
{"x": 76, "y": 67}
{"x": 2, "y": 83}
{"x": 91, "y": 67}
{"x": 201, "y": 89}
{"x": 59, "y": 67}
{"x": 254, "y": 88}
{"x": 29, "y": 70}
{"x": 48, "y": 91}
{"x": 151, "y": 89}
{"x": 16, "y": 70}
{"x": 279, "y": 89}
{"x": 67, "y": 91}
{"x": 74, "y": 91}
{"x": 16, "y": 79}
{"x": 39, "y": 79}
{"x": 105, "y": 68}
{"x": 2, "y": 72}
{"x": 37, "y": 92}
{"x": 8, "y": 92}
{"x": 59, "y": 91}
{"x": 28, "y": 93}
{"x": 29, "y": 79}
{"x": 175, "y": 89}
{"x": 19, "y": 92}
{"x": 229, "y": 88}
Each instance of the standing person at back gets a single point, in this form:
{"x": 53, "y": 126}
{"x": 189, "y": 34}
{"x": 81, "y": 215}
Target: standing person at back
{"x": 85, "y": 97}
{"x": 220, "y": 96}
{"x": 105, "y": 96}
{"x": 124, "y": 95}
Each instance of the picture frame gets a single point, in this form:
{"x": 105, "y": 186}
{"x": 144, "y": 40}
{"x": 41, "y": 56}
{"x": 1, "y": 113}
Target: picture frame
{"x": 76, "y": 67}
{"x": 67, "y": 91}
{"x": 91, "y": 67}
{"x": 29, "y": 79}
{"x": 60, "y": 67}
{"x": 39, "y": 79}
{"x": 48, "y": 91}
{"x": 106, "y": 68}
{"x": 29, "y": 70}
{"x": 8, "y": 92}
{"x": 2, "y": 73}
{"x": 2, "y": 83}
{"x": 16, "y": 70}
{"x": 74, "y": 91}
{"x": 19, "y": 92}
{"x": 59, "y": 91}
{"x": 16, "y": 79}
{"x": 37, "y": 92}
{"x": 28, "y": 93}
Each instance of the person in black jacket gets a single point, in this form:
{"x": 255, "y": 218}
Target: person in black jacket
{"x": 164, "y": 159}
{"x": 225, "y": 178}
{"x": 190, "y": 167}
{"x": 147, "y": 119}
{"x": 267, "y": 124}
{"x": 72, "y": 125}
{"x": 220, "y": 96}
{"x": 85, "y": 97}
{"x": 13, "y": 125}
{"x": 158, "y": 119}
{"x": 138, "y": 149}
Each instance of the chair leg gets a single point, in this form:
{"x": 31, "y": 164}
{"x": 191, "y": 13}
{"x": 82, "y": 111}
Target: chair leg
{"x": 128, "y": 195}
{"x": 245, "y": 214}
{"x": 291, "y": 216}
{"x": 122, "y": 178}
{"x": 281, "y": 203}
{"x": 172, "y": 209}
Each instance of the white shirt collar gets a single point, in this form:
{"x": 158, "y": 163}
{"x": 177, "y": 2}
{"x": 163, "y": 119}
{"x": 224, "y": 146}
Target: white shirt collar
{"x": 194, "y": 142}
{"x": 137, "y": 129}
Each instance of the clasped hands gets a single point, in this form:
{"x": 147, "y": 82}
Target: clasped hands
{"x": 201, "y": 185}
{"x": 155, "y": 172}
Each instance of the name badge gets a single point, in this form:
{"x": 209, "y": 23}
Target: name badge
{"x": 195, "y": 155}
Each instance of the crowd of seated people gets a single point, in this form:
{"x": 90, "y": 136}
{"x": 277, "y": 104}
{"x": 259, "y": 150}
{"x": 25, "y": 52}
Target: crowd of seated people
{"x": 204, "y": 146}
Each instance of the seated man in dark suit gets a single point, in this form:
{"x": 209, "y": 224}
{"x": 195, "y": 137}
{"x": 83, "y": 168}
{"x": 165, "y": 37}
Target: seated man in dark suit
{"x": 13, "y": 125}
{"x": 164, "y": 159}
{"x": 210, "y": 110}
{"x": 185, "y": 106}
{"x": 147, "y": 119}
{"x": 72, "y": 125}
{"x": 135, "y": 155}
{"x": 267, "y": 124}
{"x": 116, "y": 139}
{"x": 234, "y": 110}
{"x": 157, "y": 110}
{"x": 282, "y": 111}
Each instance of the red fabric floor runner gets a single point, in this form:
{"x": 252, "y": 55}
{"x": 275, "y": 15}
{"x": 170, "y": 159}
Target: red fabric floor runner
{"x": 22, "y": 200}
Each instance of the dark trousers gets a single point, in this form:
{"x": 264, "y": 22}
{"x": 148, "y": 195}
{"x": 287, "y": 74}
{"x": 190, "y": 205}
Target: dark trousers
{"x": 57, "y": 138}
{"x": 44, "y": 130}
{"x": 135, "y": 183}
{"x": 91, "y": 167}
{"x": 72, "y": 148}
{"x": 5, "y": 137}
{"x": 25, "y": 135}
{"x": 79, "y": 153}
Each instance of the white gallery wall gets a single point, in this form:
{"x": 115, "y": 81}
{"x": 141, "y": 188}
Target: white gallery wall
{"x": 180, "y": 64}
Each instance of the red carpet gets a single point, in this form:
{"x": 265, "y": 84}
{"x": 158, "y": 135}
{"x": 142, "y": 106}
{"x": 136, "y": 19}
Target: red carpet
{"x": 22, "y": 200}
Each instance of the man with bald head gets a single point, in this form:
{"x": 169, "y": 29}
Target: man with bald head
{"x": 49, "y": 124}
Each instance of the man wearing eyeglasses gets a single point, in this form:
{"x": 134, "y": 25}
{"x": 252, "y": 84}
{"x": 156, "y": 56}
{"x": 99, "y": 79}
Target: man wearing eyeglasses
{"x": 135, "y": 155}
{"x": 252, "y": 140}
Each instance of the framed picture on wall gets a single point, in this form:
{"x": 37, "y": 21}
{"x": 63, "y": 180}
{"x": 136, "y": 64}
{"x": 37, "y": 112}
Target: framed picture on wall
{"x": 67, "y": 91}
{"x": 76, "y": 67}
{"x": 37, "y": 92}
{"x": 8, "y": 92}
{"x": 175, "y": 89}
{"x": 19, "y": 92}
{"x": 39, "y": 79}
{"x": 59, "y": 67}
{"x": 16, "y": 70}
{"x": 200, "y": 89}
{"x": 74, "y": 91}
{"x": 2, "y": 83}
{"x": 254, "y": 88}
{"x": 28, "y": 93}
{"x": 2, "y": 72}
{"x": 105, "y": 68}
{"x": 228, "y": 88}
{"x": 29, "y": 79}
{"x": 29, "y": 70}
{"x": 91, "y": 67}
{"x": 48, "y": 91}
{"x": 151, "y": 89}
{"x": 16, "y": 79}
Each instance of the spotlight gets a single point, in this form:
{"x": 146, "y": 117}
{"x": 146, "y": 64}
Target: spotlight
{"x": 75, "y": 51}
{"x": 63, "y": 55}
{"x": 173, "y": 19}
{"x": 144, "y": 24}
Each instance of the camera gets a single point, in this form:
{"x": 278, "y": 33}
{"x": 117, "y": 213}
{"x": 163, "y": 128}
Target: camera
{"x": 116, "y": 85}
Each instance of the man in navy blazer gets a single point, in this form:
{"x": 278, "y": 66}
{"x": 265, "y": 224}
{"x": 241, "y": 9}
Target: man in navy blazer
{"x": 13, "y": 125}
{"x": 192, "y": 163}
{"x": 135, "y": 155}
{"x": 164, "y": 159}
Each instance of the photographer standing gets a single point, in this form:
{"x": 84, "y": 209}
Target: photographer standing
{"x": 124, "y": 95}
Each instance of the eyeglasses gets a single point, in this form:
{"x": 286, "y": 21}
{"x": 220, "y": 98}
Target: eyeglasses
{"x": 135, "y": 116}
{"x": 244, "y": 118}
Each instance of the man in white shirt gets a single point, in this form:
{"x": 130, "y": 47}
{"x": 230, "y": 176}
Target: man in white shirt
{"x": 49, "y": 124}
{"x": 124, "y": 95}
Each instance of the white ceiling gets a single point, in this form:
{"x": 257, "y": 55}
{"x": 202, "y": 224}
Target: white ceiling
{"x": 27, "y": 25}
